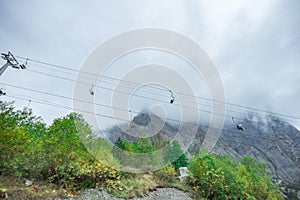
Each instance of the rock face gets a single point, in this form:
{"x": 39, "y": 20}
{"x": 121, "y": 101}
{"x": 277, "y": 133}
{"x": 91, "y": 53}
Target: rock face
{"x": 142, "y": 119}
{"x": 270, "y": 140}
{"x": 267, "y": 138}
{"x": 142, "y": 125}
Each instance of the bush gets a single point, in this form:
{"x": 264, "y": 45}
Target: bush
{"x": 20, "y": 134}
{"x": 29, "y": 149}
{"x": 223, "y": 178}
{"x": 167, "y": 174}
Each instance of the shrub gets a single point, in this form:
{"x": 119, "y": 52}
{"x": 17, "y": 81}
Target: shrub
{"x": 223, "y": 178}
{"x": 207, "y": 178}
{"x": 29, "y": 149}
{"x": 167, "y": 174}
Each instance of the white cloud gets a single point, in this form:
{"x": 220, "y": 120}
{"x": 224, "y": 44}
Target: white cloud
{"x": 255, "y": 44}
{"x": 226, "y": 22}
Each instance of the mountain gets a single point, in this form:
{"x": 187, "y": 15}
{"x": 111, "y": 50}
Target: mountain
{"x": 270, "y": 140}
{"x": 143, "y": 125}
{"x": 267, "y": 138}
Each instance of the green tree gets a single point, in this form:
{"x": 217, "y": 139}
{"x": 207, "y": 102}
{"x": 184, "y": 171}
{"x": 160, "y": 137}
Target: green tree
{"x": 145, "y": 146}
{"x": 221, "y": 177}
{"x": 120, "y": 143}
{"x": 175, "y": 155}
{"x": 20, "y": 133}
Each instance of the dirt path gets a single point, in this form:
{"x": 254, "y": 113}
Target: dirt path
{"x": 159, "y": 194}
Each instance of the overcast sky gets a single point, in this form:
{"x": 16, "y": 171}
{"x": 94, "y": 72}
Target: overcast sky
{"x": 255, "y": 44}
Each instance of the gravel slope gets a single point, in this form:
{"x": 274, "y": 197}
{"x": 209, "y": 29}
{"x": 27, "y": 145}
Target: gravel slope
{"x": 159, "y": 194}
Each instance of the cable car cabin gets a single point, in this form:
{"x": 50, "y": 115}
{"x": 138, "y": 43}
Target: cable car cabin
{"x": 240, "y": 127}
{"x": 92, "y": 90}
{"x": 172, "y": 97}
{"x": 2, "y": 93}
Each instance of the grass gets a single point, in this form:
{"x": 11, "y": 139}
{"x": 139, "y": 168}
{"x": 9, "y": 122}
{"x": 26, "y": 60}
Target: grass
{"x": 14, "y": 188}
{"x": 133, "y": 185}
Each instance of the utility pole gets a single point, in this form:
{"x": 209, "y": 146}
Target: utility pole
{"x": 4, "y": 68}
{"x": 10, "y": 61}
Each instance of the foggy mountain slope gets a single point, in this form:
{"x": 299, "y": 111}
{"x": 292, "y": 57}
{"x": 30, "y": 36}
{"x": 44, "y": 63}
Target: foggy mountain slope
{"x": 268, "y": 139}
{"x": 142, "y": 125}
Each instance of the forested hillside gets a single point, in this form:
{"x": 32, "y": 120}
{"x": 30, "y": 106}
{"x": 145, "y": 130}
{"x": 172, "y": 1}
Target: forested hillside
{"x": 58, "y": 164}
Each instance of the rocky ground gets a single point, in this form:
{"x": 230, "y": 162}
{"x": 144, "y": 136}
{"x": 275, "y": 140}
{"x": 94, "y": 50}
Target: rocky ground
{"x": 159, "y": 194}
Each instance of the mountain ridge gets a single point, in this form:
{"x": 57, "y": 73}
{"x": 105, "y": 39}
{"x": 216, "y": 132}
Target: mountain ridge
{"x": 267, "y": 138}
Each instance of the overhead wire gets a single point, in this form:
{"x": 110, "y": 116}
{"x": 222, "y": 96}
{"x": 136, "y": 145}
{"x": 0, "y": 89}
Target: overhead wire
{"x": 204, "y": 98}
{"x": 108, "y": 116}
{"x": 102, "y": 87}
{"x": 67, "y": 107}
{"x": 128, "y": 86}
{"x": 106, "y": 77}
{"x": 140, "y": 96}
{"x": 208, "y": 104}
{"x": 84, "y": 101}
{"x": 93, "y": 103}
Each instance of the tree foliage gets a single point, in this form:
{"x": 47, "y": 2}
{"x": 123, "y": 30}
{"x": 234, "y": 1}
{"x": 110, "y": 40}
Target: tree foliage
{"x": 221, "y": 177}
{"x": 30, "y": 149}
{"x": 173, "y": 153}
